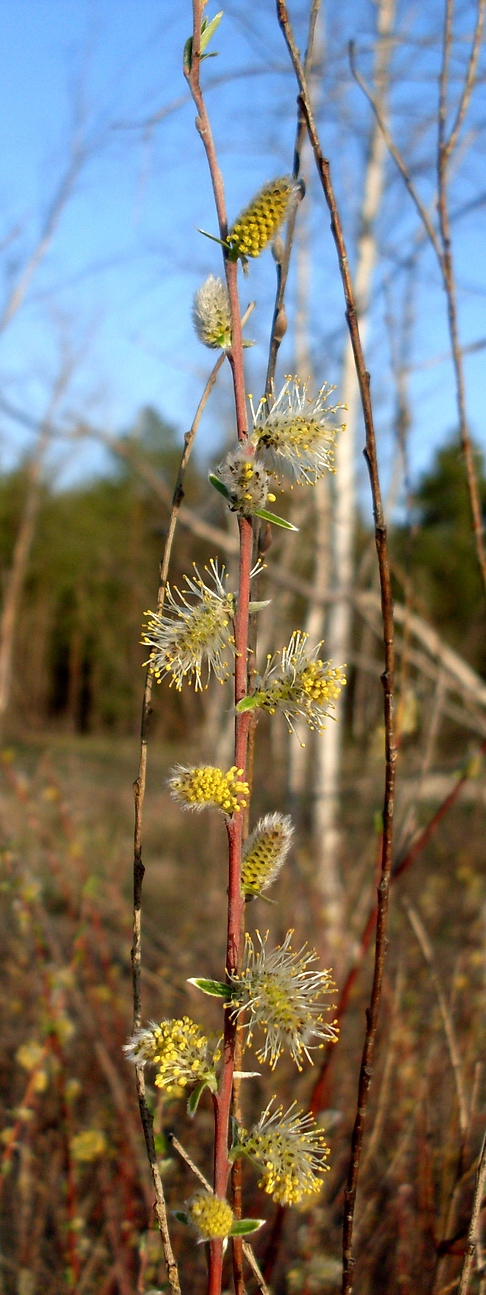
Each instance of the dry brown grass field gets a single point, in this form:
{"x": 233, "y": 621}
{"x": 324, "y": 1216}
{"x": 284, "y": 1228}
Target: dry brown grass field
{"x": 77, "y": 1203}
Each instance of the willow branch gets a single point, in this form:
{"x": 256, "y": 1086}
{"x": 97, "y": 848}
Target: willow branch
{"x": 401, "y": 865}
{"x": 279, "y": 323}
{"x": 472, "y": 1236}
{"x": 138, "y": 866}
{"x": 450, "y": 143}
{"x": 323, "y": 169}
{"x": 444, "y": 150}
{"x": 223, "y": 1098}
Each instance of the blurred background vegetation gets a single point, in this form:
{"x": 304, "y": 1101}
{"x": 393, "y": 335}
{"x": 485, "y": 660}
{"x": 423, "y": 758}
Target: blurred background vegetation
{"x": 97, "y": 280}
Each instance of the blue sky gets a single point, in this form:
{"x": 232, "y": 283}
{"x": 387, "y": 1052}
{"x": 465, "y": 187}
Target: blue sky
{"x": 117, "y": 284}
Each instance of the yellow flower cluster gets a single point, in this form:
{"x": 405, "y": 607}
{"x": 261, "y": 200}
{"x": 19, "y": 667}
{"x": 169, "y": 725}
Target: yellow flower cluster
{"x": 212, "y": 1216}
{"x": 180, "y": 1051}
{"x": 246, "y": 480}
{"x": 298, "y": 683}
{"x": 207, "y": 785}
{"x": 291, "y": 1150}
{"x": 265, "y": 852}
{"x": 258, "y": 223}
{"x": 181, "y": 1055}
{"x": 296, "y": 435}
{"x": 88, "y": 1146}
{"x": 280, "y": 995}
{"x": 321, "y": 684}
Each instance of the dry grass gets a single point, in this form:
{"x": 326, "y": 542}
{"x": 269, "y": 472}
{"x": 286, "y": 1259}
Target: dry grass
{"x": 83, "y": 1224}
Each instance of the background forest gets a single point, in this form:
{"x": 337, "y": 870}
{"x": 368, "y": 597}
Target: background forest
{"x": 101, "y": 375}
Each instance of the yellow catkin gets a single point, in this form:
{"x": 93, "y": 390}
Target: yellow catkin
{"x": 212, "y": 1216}
{"x": 207, "y": 785}
{"x": 258, "y": 223}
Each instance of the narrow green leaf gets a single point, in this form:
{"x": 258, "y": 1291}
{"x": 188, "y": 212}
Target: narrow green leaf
{"x": 181, "y": 1216}
{"x": 162, "y": 1146}
{"x": 212, "y": 237}
{"x": 219, "y": 485}
{"x": 208, "y": 29}
{"x": 215, "y": 988}
{"x": 235, "y": 1132}
{"x": 276, "y": 521}
{"x": 187, "y": 57}
{"x": 242, "y": 1227}
{"x": 249, "y": 703}
{"x": 195, "y": 1097}
{"x": 258, "y": 607}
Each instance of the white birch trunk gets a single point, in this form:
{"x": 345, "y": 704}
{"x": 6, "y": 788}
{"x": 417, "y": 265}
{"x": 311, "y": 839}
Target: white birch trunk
{"x": 328, "y": 750}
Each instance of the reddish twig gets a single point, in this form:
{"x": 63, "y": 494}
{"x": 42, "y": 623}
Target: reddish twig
{"x": 472, "y": 1236}
{"x": 222, "y": 1099}
{"x": 318, "y": 1100}
{"x": 323, "y": 169}
{"x": 138, "y": 866}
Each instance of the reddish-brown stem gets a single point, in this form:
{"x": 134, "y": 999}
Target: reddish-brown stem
{"x": 323, "y": 169}
{"x": 319, "y": 1093}
{"x": 222, "y": 1100}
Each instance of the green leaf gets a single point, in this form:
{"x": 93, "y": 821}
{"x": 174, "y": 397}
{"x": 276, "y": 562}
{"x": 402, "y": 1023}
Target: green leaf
{"x": 220, "y": 486}
{"x": 249, "y": 703}
{"x": 208, "y": 29}
{"x": 162, "y": 1146}
{"x": 235, "y": 1132}
{"x": 181, "y": 1216}
{"x": 271, "y": 517}
{"x": 215, "y": 988}
{"x": 258, "y": 607}
{"x": 212, "y": 237}
{"x": 242, "y": 1227}
{"x": 195, "y": 1097}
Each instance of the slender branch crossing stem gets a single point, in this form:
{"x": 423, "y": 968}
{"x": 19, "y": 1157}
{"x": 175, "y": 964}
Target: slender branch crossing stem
{"x": 138, "y": 866}
{"x": 323, "y": 169}
{"x": 472, "y": 1236}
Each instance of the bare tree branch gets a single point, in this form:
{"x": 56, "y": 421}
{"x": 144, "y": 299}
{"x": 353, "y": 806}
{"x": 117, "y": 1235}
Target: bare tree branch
{"x": 472, "y": 1236}
{"x": 323, "y": 169}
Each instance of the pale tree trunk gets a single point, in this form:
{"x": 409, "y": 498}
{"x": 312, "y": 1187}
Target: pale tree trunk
{"x": 21, "y": 553}
{"x": 16, "y": 578}
{"x": 328, "y": 750}
{"x": 299, "y": 744}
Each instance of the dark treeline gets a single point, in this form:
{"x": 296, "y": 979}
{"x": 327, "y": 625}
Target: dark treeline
{"x": 93, "y": 573}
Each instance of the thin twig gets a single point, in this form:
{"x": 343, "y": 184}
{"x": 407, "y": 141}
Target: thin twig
{"x": 279, "y": 323}
{"x": 318, "y": 1096}
{"x": 323, "y": 169}
{"x": 450, "y": 143}
{"x": 247, "y": 1250}
{"x": 444, "y": 150}
{"x": 138, "y": 866}
{"x": 472, "y": 1235}
{"x": 442, "y": 242}
{"x": 396, "y": 155}
{"x": 190, "y": 1163}
{"x": 449, "y": 1031}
